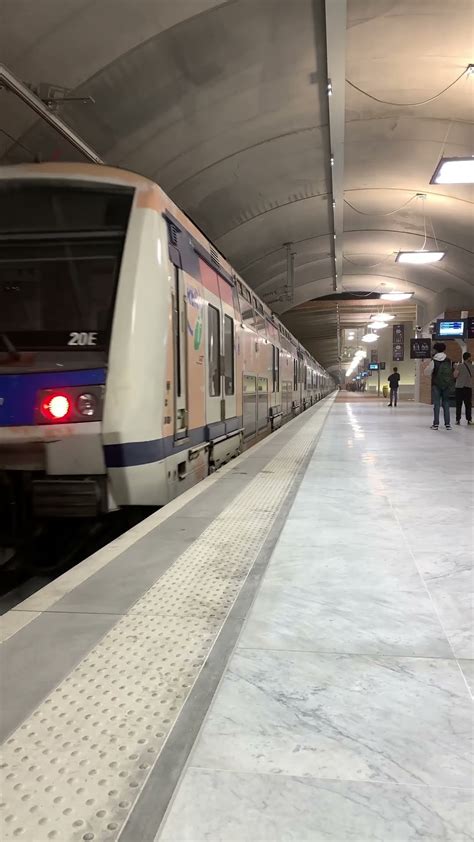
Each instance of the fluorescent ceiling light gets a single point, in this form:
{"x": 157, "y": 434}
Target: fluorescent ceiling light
{"x": 378, "y": 325}
{"x": 370, "y": 337}
{"x": 422, "y": 256}
{"x": 396, "y": 296}
{"x": 454, "y": 171}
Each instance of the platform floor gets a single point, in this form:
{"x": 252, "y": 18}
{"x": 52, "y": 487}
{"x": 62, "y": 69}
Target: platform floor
{"x": 164, "y": 691}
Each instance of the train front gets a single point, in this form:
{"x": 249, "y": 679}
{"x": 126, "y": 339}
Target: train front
{"x": 61, "y": 242}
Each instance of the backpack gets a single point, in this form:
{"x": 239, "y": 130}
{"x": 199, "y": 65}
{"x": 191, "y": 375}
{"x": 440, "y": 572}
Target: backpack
{"x": 443, "y": 375}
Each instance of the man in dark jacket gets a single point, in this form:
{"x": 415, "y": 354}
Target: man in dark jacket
{"x": 442, "y": 384}
{"x": 394, "y": 381}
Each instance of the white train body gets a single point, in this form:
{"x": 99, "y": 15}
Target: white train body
{"x": 133, "y": 358}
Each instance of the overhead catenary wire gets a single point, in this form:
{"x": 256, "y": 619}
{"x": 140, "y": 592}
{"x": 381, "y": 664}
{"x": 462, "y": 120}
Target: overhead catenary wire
{"x": 424, "y": 226}
{"x": 367, "y": 265}
{"x": 375, "y": 213}
{"x": 407, "y": 104}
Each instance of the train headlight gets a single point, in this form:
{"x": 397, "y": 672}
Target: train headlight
{"x": 86, "y": 404}
{"x": 56, "y": 407}
{"x": 74, "y": 405}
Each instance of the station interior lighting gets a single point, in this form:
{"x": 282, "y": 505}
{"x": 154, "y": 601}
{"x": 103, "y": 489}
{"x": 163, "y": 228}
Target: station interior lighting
{"x": 396, "y": 296}
{"x": 454, "y": 171}
{"x": 384, "y": 317}
{"x": 358, "y": 356}
{"x": 377, "y": 325}
{"x": 370, "y": 337}
{"x": 419, "y": 257}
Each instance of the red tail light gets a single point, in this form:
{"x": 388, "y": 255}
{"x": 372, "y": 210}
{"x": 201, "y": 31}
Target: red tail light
{"x": 56, "y": 407}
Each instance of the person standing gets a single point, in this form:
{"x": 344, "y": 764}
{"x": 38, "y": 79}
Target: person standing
{"x": 394, "y": 382}
{"x": 442, "y": 383}
{"x": 463, "y": 375}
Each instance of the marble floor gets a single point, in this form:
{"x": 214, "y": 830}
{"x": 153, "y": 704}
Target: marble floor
{"x": 345, "y": 712}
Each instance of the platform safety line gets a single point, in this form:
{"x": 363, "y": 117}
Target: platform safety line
{"x": 31, "y": 608}
{"x": 74, "y": 769}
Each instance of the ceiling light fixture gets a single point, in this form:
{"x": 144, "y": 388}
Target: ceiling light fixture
{"x": 385, "y": 317}
{"x": 396, "y": 296}
{"x": 329, "y": 87}
{"x": 332, "y": 160}
{"x": 370, "y": 337}
{"x": 378, "y": 325}
{"x": 454, "y": 171}
{"x": 419, "y": 257}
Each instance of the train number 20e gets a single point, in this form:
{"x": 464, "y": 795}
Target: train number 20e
{"x": 83, "y": 337}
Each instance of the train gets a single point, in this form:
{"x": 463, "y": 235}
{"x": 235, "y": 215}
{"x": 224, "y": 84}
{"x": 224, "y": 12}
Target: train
{"x": 134, "y": 360}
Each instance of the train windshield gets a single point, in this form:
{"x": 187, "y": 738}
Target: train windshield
{"x": 60, "y": 255}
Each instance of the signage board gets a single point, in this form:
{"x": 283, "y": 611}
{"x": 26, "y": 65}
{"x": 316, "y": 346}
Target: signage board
{"x": 470, "y": 327}
{"x": 373, "y": 366}
{"x": 398, "y": 353}
{"x": 382, "y": 366}
{"x": 420, "y": 349}
{"x": 373, "y": 355}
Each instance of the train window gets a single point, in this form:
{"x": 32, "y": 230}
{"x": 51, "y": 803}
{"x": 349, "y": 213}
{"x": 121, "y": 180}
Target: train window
{"x": 58, "y": 208}
{"x": 213, "y": 349}
{"x": 229, "y": 355}
{"x": 49, "y": 290}
{"x": 276, "y": 369}
{"x": 247, "y": 313}
{"x": 260, "y": 324}
{"x": 295, "y": 374}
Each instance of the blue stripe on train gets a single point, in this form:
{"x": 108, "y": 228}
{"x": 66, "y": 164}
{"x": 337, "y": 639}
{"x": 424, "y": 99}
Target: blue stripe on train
{"x": 144, "y": 452}
{"x": 18, "y": 392}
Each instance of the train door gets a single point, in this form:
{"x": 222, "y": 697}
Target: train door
{"x": 215, "y": 405}
{"x": 301, "y": 382}
{"x": 180, "y": 357}
{"x": 262, "y": 404}
{"x": 229, "y": 398}
{"x": 249, "y": 405}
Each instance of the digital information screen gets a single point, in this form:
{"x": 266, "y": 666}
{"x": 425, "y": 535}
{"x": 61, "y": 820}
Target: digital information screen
{"x": 450, "y": 330}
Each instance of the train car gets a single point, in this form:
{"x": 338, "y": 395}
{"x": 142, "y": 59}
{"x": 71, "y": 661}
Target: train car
{"x": 133, "y": 359}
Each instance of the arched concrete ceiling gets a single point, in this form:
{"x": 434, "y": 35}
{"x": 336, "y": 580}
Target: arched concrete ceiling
{"x": 224, "y": 103}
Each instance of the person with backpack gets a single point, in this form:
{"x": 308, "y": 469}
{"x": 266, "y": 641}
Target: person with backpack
{"x": 394, "y": 382}
{"x": 442, "y": 384}
{"x": 463, "y": 375}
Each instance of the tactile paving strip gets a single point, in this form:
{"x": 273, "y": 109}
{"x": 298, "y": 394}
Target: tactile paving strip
{"x": 73, "y": 770}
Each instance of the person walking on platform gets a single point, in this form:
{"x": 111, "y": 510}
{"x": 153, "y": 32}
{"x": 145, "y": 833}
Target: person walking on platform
{"x": 463, "y": 375}
{"x": 442, "y": 383}
{"x": 394, "y": 381}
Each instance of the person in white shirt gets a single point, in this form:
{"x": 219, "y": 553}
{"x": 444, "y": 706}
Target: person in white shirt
{"x": 463, "y": 376}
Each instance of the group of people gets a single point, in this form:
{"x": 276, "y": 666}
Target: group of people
{"x": 444, "y": 376}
